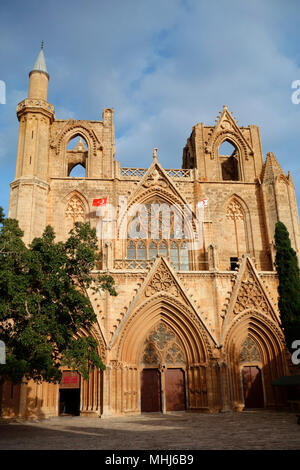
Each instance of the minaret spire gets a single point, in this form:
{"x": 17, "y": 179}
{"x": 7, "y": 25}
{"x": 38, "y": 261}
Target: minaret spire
{"x": 39, "y": 77}
{"x": 40, "y": 63}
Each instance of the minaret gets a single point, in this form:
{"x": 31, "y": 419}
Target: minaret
{"x": 29, "y": 190}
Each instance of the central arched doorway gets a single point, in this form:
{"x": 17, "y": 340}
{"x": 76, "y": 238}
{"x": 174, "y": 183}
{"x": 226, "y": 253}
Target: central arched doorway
{"x": 162, "y": 333}
{"x": 252, "y": 387}
{"x": 163, "y": 373}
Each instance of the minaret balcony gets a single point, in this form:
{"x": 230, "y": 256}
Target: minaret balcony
{"x": 35, "y": 105}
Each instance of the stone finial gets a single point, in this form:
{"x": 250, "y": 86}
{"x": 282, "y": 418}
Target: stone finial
{"x": 155, "y": 154}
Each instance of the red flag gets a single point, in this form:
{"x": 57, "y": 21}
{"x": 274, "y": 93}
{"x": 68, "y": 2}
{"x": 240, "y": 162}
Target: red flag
{"x": 203, "y": 203}
{"x": 100, "y": 202}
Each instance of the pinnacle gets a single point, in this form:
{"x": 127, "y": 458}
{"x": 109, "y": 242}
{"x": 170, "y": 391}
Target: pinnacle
{"x": 224, "y": 111}
{"x": 272, "y": 167}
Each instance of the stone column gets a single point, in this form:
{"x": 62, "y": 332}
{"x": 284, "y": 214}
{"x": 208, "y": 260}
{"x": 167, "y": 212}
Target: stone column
{"x": 223, "y": 386}
{"x": 106, "y": 411}
{"x": 163, "y": 388}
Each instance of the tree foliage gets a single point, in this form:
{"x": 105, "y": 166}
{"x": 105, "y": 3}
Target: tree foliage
{"x": 45, "y": 311}
{"x": 289, "y": 284}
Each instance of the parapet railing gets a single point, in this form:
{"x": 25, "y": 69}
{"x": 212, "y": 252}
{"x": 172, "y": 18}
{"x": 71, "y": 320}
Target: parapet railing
{"x": 147, "y": 263}
{"x": 140, "y": 172}
{"x": 133, "y": 263}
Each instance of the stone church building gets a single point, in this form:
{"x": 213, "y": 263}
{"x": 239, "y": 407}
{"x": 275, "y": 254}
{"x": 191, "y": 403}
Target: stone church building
{"x": 195, "y": 325}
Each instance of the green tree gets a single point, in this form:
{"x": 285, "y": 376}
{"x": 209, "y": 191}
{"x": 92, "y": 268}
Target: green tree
{"x": 289, "y": 284}
{"x": 44, "y": 302}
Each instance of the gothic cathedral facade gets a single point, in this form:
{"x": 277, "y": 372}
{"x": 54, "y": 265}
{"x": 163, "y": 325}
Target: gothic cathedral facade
{"x": 195, "y": 325}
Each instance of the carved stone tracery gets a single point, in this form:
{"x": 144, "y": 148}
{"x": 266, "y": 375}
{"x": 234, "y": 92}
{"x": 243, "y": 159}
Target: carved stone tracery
{"x": 250, "y": 296}
{"x": 249, "y": 351}
{"x": 75, "y": 210}
{"x": 155, "y": 178}
{"x": 162, "y": 346}
{"x": 234, "y": 211}
{"x": 162, "y": 281}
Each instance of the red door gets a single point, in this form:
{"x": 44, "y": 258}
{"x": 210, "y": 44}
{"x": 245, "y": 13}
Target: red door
{"x": 175, "y": 392}
{"x": 253, "y": 390}
{"x": 150, "y": 390}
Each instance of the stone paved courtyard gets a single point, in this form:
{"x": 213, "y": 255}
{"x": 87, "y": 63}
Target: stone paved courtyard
{"x": 246, "y": 430}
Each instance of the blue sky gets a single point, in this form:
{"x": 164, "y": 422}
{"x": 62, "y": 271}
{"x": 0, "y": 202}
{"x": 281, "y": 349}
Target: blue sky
{"x": 163, "y": 65}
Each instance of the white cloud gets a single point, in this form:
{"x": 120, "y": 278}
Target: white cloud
{"x": 163, "y": 66}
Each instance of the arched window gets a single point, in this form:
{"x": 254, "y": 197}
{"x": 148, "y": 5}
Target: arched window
{"x": 158, "y": 228}
{"x": 77, "y": 171}
{"x": 131, "y": 250}
{"x": 184, "y": 257}
{"x": 141, "y": 250}
{"x": 77, "y": 153}
{"x": 229, "y": 161}
{"x": 162, "y": 249}
{"x": 152, "y": 250}
{"x": 74, "y": 212}
{"x": 174, "y": 255}
{"x": 235, "y": 238}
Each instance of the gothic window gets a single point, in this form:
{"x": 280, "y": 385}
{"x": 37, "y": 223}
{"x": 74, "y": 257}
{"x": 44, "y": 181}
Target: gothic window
{"x": 162, "y": 250}
{"x": 152, "y": 250}
{"x": 184, "y": 257}
{"x": 162, "y": 346}
{"x": 174, "y": 255}
{"x": 77, "y": 153}
{"x": 74, "y": 212}
{"x": 229, "y": 161}
{"x": 235, "y": 233}
{"x": 131, "y": 250}
{"x": 249, "y": 351}
{"x": 141, "y": 250}
{"x": 158, "y": 228}
{"x": 151, "y": 356}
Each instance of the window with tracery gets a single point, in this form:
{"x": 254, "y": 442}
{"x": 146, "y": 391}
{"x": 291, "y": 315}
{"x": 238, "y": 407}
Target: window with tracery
{"x": 249, "y": 351}
{"x": 162, "y": 346}
{"x": 74, "y": 212}
{"x": 235, "y": 233}
{"x": 158, "y": 229}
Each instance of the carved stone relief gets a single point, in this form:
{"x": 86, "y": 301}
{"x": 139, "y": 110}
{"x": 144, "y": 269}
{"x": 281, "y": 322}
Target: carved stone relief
{"x": 162, "y": 281}
{"x": 249, "y": 351}
{"x": 162, "y": 346}
{"x": 75, "y": 210}
{"x": 250, "y": 296}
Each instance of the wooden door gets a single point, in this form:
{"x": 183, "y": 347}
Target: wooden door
{"x": 175, "y": 390}
{"x": 252, "y": 385}
{"x": 150, "y": 390}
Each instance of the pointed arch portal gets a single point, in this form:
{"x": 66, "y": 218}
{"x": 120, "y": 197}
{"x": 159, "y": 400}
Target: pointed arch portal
{"x": 168, "y": 349}
{"x": 255, "y": 350}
